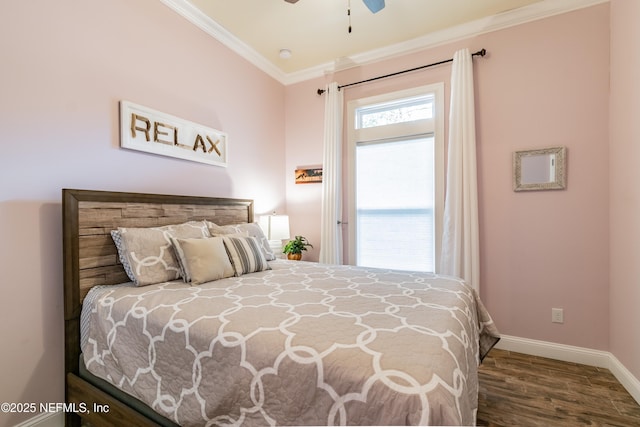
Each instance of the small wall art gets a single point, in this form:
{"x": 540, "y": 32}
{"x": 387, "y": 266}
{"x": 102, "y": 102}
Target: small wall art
{"x": 540, "y": 169}
{"x": 151, "y": 131}
{"x": 308, "y": 174}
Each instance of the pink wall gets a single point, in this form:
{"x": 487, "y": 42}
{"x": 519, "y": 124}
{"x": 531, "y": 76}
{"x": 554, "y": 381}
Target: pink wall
{"x": 540, "y": 85}
{"x": 65, "y": 66}
{"x": 304, "y": 129}
{"x": 546, "y": 86}
{"x": 624, "y": 191}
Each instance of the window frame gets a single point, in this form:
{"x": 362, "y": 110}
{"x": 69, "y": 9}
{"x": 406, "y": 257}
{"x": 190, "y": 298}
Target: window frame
{"x": 424, "y": 127}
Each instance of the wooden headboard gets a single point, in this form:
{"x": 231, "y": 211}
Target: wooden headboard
{"x": 90, "y": 256}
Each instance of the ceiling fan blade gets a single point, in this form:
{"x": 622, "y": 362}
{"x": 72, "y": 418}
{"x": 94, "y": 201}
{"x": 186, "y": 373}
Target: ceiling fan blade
{"x": 373, "y": 5}
{"x": 291, "y": 1}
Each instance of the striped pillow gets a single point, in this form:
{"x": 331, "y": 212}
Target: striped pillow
{"x": 249, "y": 229}
{"x": 245, "y": 254}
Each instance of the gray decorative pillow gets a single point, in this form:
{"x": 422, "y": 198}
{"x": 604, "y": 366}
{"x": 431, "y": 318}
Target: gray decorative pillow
{"x": 203, "y": 260}
{"x": 250, "y": 229}
{"x": 147, "y": 254}
{"x": 245, "y": 254}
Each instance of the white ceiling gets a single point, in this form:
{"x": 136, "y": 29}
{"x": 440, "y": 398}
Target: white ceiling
{"x": 316, "y": 31}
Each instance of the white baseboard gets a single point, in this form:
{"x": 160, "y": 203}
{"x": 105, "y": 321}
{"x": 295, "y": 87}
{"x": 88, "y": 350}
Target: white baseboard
{"x": 551, "y": 350}
{"x": 568, "y": 353}
{"x": 48, "y": 419}
{"x": 626, "y": 378}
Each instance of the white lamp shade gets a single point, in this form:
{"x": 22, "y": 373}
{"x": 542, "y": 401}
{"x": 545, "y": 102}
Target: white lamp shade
{"x": 275, "y": 227}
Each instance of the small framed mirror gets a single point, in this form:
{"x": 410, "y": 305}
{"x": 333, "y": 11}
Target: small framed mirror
{"x": 543, "y": 169}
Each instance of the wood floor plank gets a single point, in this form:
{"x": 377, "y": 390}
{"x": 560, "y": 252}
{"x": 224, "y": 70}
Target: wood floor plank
{"x": 521, "y": 390}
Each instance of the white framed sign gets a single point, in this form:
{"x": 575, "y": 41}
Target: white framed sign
{"x": 151, "y": 131}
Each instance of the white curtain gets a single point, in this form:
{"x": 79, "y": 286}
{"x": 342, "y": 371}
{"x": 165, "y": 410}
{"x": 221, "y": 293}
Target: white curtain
{"x": 460, "y": 239}
{"x": 330, "y": 229}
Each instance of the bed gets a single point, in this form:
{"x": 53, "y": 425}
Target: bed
{"x": 255, "y": 340}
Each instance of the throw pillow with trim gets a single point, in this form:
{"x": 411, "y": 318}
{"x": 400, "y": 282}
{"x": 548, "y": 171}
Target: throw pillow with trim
{"x": 147, "y": 254}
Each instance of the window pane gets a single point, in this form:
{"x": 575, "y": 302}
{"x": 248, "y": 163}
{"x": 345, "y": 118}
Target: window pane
{"x": 400, "y": 239}
{"x": 395, "y": 204}
{"x": 405, "y": 110}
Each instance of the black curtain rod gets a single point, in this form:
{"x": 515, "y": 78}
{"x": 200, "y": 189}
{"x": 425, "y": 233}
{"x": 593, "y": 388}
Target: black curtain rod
{"x": 481, "y": 52}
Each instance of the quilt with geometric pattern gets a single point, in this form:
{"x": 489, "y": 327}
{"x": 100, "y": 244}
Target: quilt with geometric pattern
{"x": 300, "y": 344}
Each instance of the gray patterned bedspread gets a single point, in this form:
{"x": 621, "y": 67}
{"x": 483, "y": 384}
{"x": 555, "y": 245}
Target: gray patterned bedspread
{"x": 301, "y": 344}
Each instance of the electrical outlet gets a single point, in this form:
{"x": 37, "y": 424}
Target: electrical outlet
{"x": 557, "y": 315}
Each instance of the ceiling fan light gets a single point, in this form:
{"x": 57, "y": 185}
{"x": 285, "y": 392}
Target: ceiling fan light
{"x": 374, "y": 5}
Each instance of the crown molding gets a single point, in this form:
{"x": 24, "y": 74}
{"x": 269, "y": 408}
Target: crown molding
{"x": 218, "y": 32}
{"x": 532, "y": 12}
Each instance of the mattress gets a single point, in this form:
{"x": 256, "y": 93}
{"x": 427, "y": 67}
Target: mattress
{"x": 300, "y": 344}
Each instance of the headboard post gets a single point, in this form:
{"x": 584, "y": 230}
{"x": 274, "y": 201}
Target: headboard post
{"x": 71, "y": 280}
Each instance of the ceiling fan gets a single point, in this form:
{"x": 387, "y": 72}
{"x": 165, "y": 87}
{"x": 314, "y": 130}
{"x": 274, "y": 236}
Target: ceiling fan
{"x": 373, "y": 5}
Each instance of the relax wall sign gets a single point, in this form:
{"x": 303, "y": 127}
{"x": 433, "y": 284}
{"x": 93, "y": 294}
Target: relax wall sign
{"x": 152, "y": 131}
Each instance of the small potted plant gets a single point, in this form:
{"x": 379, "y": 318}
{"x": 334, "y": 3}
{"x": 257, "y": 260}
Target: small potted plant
{"x": 294, "y": 247}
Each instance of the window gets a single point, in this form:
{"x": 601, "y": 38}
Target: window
{"x": 402, "y": 111}
{"x": 396, "y": 179}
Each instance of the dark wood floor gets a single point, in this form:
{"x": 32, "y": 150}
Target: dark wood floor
{"x": 523, "y": 390}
